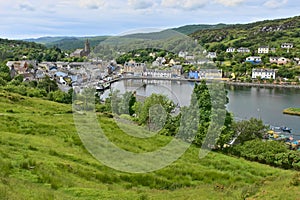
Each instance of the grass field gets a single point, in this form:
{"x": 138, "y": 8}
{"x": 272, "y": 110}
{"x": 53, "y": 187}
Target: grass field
{"x": 292, "y": 111}
{"x": 42, "y": 157}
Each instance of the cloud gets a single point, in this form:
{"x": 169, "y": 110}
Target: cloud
{"x": 91, "y": 4}
{"x": 140, "y": 4}
{"x": 184, "y": 4}
{"x": 275, "y": 3}
{"x": 26, "y": 7}
{"x": 230, "y": 2}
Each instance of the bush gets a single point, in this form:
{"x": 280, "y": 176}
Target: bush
{"x": 268, "y": 152}
{"x": 102, "y": 108}
{"x": 2, "y": 82}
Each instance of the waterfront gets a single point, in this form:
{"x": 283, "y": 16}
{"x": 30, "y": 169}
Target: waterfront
{"x": 244, "y": 102}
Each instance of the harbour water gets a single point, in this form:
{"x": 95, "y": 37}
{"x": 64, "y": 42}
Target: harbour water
{"x": 244, "y": 102}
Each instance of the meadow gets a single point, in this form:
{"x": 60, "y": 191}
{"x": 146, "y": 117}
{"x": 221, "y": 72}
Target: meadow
{"x": 42, "y": 157}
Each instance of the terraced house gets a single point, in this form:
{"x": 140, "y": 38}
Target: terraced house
{"x": 263, "y": 73}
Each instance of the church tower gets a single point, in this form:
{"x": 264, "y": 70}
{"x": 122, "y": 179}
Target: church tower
{"x": 87, "y": 47}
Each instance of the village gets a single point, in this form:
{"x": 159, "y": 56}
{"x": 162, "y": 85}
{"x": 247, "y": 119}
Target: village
{"x": 76, "y": 73}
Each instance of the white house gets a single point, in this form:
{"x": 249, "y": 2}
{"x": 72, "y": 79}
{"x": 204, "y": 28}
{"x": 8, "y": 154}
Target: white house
{"x": 133, "y": 67}
{"x": 182, "y": 54}
{"x": 263, "y": 73}
{"x": 230, "y": 50}
{"x": 158, "y": 73}
{"x": 210, "y": 73}
{"x": 287, "y": 45}
{"x": 263, "y": 49}
{"x": 243, "y": 50}
{"x": 211, "y": 55}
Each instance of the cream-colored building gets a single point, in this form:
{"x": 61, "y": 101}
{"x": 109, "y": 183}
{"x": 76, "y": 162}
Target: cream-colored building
{"x": 263, "y": 50}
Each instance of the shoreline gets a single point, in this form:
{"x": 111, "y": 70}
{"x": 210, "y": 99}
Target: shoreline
{"x": 226, "y": 82}
{"x": 267, "y": 85}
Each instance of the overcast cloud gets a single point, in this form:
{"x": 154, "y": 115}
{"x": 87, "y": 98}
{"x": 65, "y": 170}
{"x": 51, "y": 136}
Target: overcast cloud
{"x": 34, "y": 18}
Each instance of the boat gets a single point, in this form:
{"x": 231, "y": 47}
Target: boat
{"x": 286, "y": 129}
{"x": 101, "y": 86}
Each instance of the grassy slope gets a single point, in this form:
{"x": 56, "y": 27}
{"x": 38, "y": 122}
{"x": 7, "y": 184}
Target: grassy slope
{"x": 268, "y": 32}
{"x": 41, "y": 157}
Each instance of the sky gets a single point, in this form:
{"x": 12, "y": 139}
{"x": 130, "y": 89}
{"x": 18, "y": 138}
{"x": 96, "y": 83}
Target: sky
{"x": 35, "y": 18}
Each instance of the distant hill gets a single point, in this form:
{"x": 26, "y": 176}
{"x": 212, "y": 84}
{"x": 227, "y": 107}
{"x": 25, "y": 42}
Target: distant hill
{"x": 71, "y": 43}
{"x": 188, "y": 29}
{"x": 68, "y": 43}
{"x": 267, "y": 32}
{"x": 153, "y": 35}
{"x": 45, "y": 40}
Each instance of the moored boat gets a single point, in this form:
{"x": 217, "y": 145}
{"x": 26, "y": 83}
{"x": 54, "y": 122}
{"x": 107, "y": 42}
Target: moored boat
{"x": 286, "y": 129}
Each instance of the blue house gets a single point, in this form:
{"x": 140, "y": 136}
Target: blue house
{"x": 193, "y": 75}
{"x": 254, "y": 59}
{"x": 60, "y": 74}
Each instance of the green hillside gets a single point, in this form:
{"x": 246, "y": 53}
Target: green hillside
{"x": 268, "y": 32}
{"x": 15, "y": 49}
{"x": 71, "y": 43}
{"x": 189, "y": 29}
{"x": 68, "y": 43}
{"x": 42, "y": 157}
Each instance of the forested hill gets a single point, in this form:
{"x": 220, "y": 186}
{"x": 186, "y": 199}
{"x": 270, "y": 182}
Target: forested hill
{"x": 13, "y": 49}
{"x": 268, "y": 32}
{"x": 68, "y": 43}
{"x": 22, "y": 50}
{"x": 189, "y": 29}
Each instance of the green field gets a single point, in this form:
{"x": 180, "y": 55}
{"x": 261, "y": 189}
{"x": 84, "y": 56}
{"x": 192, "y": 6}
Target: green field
{"x": 292, "y": 111}
{"x": 42, "y": 157}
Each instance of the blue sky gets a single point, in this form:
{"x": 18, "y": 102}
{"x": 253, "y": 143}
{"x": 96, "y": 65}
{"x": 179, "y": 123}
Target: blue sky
{"x": 35, "y": 18}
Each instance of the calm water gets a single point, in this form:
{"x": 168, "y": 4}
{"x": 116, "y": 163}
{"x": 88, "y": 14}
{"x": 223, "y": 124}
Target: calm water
{"x": 265, "y": 103}
{"x": 244, "y": 102}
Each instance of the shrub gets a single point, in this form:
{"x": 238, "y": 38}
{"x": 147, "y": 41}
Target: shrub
{"x": 268, "y": 152}
{"x": 296, "y": 180}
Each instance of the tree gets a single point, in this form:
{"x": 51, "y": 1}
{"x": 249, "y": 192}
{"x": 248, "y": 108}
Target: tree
{"x": 115, "y": 101}
{"x": 212, "y": 116}
{"x": 151, "y": 104}
{"x": 4, "y": 72}
{"x": 48, "y": 84}
{"x": 248, "y": 130}
{"x": 126, "y": 103}
{"x": 17, "y": 80}
{"x": 204, "y": 105}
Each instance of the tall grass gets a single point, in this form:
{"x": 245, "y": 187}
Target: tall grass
{"x": 42, "y": 157}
